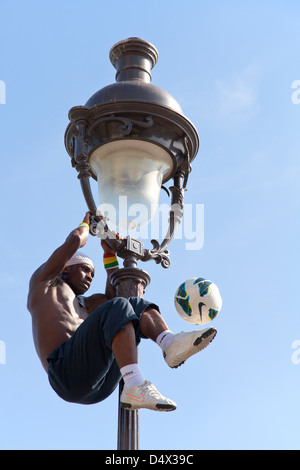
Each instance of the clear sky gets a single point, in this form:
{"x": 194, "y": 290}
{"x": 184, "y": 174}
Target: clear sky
{"x": 232, "y": 67}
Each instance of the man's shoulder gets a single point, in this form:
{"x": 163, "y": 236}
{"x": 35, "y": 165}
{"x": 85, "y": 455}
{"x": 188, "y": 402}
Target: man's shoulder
{"x": 39, "y": 286}
{"x": 39, "y": 289}
{"x": 37, "y": 278}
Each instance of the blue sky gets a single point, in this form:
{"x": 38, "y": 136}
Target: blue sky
{"x": 231, "y": 66}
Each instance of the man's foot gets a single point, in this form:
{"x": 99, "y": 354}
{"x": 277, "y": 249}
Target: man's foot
{"x": 145, "y": 395}
{"x": 185, "y": 345}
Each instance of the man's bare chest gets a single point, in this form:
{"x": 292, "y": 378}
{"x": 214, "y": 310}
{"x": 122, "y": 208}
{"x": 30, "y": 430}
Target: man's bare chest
{"x": 69, "y": 302}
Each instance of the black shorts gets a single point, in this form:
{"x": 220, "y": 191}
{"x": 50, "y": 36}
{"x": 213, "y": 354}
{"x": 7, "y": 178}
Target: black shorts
{"x": 83, "y": 369}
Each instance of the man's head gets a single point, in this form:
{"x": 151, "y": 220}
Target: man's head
{"x": 79, "y": 273}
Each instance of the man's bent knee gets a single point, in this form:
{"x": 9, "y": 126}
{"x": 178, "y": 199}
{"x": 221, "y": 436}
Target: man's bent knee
{"x": 113, "y": 315}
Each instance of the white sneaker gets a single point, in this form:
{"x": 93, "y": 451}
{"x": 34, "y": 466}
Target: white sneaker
{"x": 145, "y": 395}
{"x": 185, "y": 345}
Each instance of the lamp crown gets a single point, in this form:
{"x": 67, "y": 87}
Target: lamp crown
{"x": 133, "y": 58}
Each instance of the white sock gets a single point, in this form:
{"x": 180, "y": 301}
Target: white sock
{"x": 132, "y": 375}
{"x": 164, "y": 339}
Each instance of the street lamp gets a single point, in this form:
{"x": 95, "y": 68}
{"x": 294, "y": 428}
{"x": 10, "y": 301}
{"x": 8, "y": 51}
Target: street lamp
{"x": 131, "y": 137}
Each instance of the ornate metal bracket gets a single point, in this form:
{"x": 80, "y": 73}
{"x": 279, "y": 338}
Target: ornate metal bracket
{"x": 159, "y": 252}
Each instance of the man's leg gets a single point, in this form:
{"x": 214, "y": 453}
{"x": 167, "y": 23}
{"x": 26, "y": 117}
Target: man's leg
{"x": 177, "y": 348}
{"x": 124, "y": 346}
{"x": 125, "y": 351}
{"x": 84, "y": 369}
{"x": 137, "y": 392}
{"x": 152, "y": 323}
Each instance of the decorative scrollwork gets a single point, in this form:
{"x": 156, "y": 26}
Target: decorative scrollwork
{"x": 187, "y": 168}
{"x": 127, "y": 124}
{"x": 159, "y": 253}
{"x": 159, "y": 256}
{"x": 126, "y": 128}
{"x": 81, "y": 151}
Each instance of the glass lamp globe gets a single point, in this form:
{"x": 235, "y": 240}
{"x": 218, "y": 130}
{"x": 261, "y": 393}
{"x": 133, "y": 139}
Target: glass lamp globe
{"x": 130, "y": 174}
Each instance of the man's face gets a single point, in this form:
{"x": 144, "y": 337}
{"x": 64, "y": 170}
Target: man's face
{"x": 79, "y": 277}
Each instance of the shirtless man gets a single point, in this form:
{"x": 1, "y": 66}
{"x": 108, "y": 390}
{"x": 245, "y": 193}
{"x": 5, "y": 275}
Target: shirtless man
{"x": 87, "y": 344}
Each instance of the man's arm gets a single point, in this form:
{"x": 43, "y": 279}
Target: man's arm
{"x": 110, "y": 290}
{"x": 93, "y": 301}
{"x": 60, "y": 257}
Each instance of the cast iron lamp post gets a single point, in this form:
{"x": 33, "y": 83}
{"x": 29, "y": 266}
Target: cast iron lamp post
{"x": 132, "y": 137}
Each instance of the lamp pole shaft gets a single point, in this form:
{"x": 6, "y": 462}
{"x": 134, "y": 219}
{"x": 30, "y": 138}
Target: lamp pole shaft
{"x": 129, "y": 282}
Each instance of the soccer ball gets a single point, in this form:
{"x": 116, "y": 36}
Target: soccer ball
{"x": 198, "y": 301}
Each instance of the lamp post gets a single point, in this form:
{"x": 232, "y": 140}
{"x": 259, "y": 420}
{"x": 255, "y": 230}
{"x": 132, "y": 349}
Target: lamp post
{"x": 132, "y": 137}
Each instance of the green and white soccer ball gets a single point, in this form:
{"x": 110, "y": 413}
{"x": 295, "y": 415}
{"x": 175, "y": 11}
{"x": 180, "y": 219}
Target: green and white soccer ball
{"x": 198, "y": 301}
